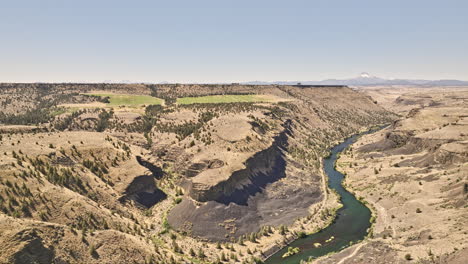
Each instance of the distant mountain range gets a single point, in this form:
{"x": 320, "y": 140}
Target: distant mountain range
{"x": 365, "y": 79}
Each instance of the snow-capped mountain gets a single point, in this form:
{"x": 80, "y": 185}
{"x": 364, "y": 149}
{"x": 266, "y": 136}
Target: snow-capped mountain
{"x": 365, "y": 75}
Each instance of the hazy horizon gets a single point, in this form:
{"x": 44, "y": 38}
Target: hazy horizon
{"x": 222, "y": 42}
{"x": 218, "y": 82}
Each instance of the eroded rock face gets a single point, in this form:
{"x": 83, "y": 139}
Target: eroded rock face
{"x": 452, "y": 153}
{"x": 143, "y": 190}
{"x": 250, "y": 197}
{"x": 195, "y": 168}
{"x": 265, "y": 167}
{"x": 401, "y": 142}
{"x": 155, "y": 170}
{"x": 279, "y": 182}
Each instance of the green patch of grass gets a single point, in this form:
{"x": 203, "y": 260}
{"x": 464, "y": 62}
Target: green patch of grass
{"x": 58, "y": 111}
{"x": 129, "y": 99}
{"x": 217, "y": 99}
{"x": 72, "y": 110}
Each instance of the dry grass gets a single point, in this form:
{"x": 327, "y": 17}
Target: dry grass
{"x": 217, "y": 99}
{"x": 130, "y": 100}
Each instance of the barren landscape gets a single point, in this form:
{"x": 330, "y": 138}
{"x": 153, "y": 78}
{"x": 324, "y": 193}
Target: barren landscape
{"x": 413, "y": 174}
{"x": 82, "y": 176}
{"x": 234, "y": 132}
{"x": 108, "y": 173}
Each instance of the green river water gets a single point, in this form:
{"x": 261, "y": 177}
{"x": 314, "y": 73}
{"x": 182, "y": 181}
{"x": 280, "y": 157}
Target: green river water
{"x": 350, "y": 226}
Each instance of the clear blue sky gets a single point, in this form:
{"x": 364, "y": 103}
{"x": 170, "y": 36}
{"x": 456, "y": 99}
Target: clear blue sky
{"x": 223, "y": 40}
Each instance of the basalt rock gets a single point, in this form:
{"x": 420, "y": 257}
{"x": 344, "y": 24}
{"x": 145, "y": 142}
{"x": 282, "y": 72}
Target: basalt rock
{"x": 196, "y": 168}
{"x": 265, "y": 167}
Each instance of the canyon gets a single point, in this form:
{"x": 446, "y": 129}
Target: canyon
{"x": 89, "y": 180}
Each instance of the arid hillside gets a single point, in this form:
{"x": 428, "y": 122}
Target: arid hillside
{"x": 104, "y": 173}
{"x": 413, "y": 174}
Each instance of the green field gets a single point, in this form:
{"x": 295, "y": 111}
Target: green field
{"x": 129, "y": 99}
{"x": 217, "y": 99}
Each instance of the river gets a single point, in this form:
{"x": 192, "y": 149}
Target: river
{"x": 350, "y": 226}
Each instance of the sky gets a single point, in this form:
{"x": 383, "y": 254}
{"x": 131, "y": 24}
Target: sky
{"x": 231, "y": 41}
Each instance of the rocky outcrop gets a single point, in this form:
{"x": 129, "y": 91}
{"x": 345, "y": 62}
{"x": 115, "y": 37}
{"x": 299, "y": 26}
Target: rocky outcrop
{"x": 143, "y": 190}
{"x": 403, "y": 142}
{"x": 452, "y": 153}
{"x": 196, "y": 168}
{"x": 265, "y": 167}
{"x": 155, "y": 170}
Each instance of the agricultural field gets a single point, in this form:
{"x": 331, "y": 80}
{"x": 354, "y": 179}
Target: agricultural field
{"x": 216, "y": 99}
